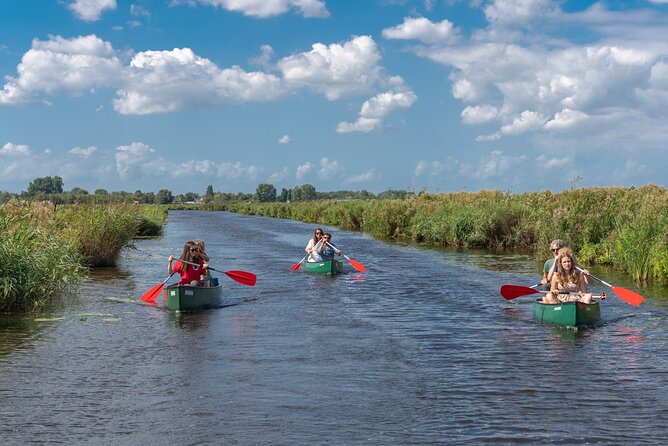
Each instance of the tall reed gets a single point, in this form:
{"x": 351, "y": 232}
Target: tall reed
{"x": 36, "y": 261}
{"x": 626, "y": 228}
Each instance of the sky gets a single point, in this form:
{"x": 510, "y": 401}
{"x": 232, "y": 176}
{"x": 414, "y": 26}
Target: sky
{"x": 435, "y": 95}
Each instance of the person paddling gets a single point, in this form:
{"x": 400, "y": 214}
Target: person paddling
{"x": 190, "y": 274}
{"x": 326, "y": 249}
{"x": 313, "y": 245}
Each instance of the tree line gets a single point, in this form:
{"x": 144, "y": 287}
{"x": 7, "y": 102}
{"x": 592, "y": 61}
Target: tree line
{"x": 52, "y": 189}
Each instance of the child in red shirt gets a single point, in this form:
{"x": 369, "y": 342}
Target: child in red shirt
{"x": 190, "y": 274}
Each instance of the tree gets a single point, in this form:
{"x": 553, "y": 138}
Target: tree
{"x": 208, "y": 195}
{"x": 45, "y": 185}
{"x": 304, "y": 193}
{"x": 164, "y": 196}
{"x": 102, "y": 192}
{"x": 265, "y": 193}
{"x": 285, "y": 195}
{"x": 78, "y": 191}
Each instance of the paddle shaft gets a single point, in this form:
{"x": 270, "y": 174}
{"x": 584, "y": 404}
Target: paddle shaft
{"x": 589, "y": 274}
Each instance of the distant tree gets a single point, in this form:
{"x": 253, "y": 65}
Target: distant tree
{"x": 265, "y": 193}
{"x": 102, "y": 192}
{"x": 78, "y": 191}
{"x": 45, "y": 185}
{"x": 191, "y": 196}
{"x": 307, "y": 193}
{"x": 285, "y": 195}
{"x": 164, "y": 196}
{"x": 392, "y": 194}
{"x": 208, "y": 195}
{"x": 365, "y": 195}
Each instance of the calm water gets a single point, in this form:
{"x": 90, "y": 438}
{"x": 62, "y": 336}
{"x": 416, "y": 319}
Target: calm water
{"x": 421, "y": 349}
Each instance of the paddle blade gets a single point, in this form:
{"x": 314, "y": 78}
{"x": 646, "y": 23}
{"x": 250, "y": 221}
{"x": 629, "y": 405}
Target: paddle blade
{"x": 242, "y": 277}
{"x": 357, "y": 265}
{"x": 628, "y": 296}
{"x": 151, "y": 295}
{"x": 296, "y": 266}
{"x": 510, "y": 292}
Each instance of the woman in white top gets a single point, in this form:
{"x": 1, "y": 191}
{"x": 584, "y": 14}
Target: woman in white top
{"x": 568, "y": 284}
{"x": 311, "y": 248}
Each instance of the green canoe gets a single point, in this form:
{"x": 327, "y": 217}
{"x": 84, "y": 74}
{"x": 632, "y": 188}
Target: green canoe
{"x": 324, "y": 267}
{"x": 192, "y": 298}
{"x": 567, "y": 314}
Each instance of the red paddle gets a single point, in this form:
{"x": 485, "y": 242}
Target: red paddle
{"x": 243, "y": 277}
{"x": 296, "y": 266}
{"x": 628, "y": 296}
{"x": 152, "y": 294}
{"x": 510, "y": 292}
{"x": 355, "y": 264}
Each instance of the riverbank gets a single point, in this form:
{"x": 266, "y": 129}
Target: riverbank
{"x": 45, "y": 250}
{"x": 626, "y": 228}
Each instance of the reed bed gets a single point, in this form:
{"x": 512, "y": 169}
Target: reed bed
{"x": 36, "y": 261}
{"x": 45, "y": 250}
{"x": 626, "y": 228}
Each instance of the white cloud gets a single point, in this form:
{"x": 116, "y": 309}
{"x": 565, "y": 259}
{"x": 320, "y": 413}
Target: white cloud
{"x": 527, "y": 121}
{"x": 492, "y": 166}
{"x": 303, "y": 170}
{"x": 363, "y": 177}
{"x": 329, "y": 169}
{"x": 138, "y": 159}
{"x": 552, "y": 163}
{"x": 139, "y": 11}
{"x": 566, "y": 119}
{"x": 11, "y": 149}
{"x": 376, "y": 109}
{"x": 279, "y": 176}
{"x": 479, "y": 114}
{"x": 81, "y": 152}
{"x": 91, "y": 10}
{"x": 168, "y": 81}
{"x": 266, "y": 8}
{"x": 237, "y": 170}
{"x": 432, "y": 169}
{"x": 73, "y": 65}
{"x": 517, "y": 12}
{"x": 174, "y": 80}
{"x": 335, "y": 70}
{"x": 522, "y": 73}
{"x": 422, "y": 29}
{"x": 285, "y": 139}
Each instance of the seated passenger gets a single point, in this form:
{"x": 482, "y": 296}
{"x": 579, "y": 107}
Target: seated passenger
{"x": 313, "y": 244}
{"x": 326, "y": 249}
{"x": 568, "y": 284}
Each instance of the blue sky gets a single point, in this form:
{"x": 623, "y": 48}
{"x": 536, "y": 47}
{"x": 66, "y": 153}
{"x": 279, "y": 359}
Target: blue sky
{"x": 442, "y": 95}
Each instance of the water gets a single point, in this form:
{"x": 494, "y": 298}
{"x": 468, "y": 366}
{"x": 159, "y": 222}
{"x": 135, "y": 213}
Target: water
{"x": 420, "y": 349}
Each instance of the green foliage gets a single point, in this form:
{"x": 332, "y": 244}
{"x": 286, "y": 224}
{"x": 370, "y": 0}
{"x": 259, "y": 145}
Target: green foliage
{"x": 625, "y": 228}
{"x": 36, "y": 261}
{"x": 45, "y": 186}
{"x": 265, "y": 193}
{"x": 101, "y": 230}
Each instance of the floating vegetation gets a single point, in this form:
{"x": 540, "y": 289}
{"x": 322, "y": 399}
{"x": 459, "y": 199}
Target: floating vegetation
{"x": 48, "y": 319}
{"x": 111, "y": 319}
{"x": 98, "y": 315}
{"x": 125, "y": 300}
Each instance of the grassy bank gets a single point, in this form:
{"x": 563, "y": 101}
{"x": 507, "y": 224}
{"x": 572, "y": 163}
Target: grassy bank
{"x": 44, "y": 250}
{"x": 626, "y": 228}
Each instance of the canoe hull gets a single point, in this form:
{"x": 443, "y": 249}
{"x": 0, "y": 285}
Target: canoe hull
{"x": 567, "y": 314}
{"x": 325, "y": 267}
{"x": 192, "y": 298}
